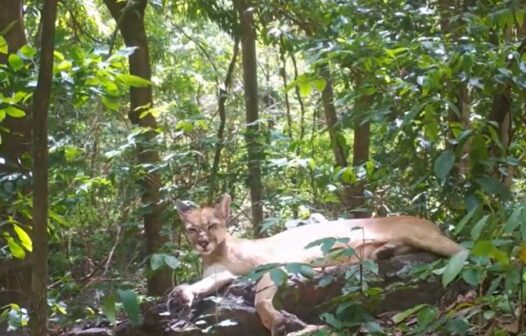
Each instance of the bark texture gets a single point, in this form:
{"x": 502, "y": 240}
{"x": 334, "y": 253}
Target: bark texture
{"x": 361, "y": 145}
{"x": 129, "y": 16}
{"x": 40, "y": 171}
{"x": 18, "y": 140}
{"x": 15, "y": 275}
{"x": 252, "y": 136}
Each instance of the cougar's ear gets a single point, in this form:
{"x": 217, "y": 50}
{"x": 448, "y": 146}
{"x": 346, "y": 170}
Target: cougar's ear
{"x": 182, "y": 208}
{"x": 222, "y": 208}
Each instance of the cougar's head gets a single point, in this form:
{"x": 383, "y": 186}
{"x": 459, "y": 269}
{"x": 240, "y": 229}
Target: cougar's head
{"x": 205, "y": 227}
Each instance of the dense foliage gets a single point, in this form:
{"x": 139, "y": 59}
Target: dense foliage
{"x": 439, "y": 85}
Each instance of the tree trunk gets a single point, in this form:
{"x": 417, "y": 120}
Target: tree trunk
{"x": 361, "y": 143}
{"x": 15, "y": 275}
{"x": 460, "y": 118}
{"x": 327, "y": 96}
{"x": 18, "y": 140}
{"x": 40, "y": 171}
{"x": 223, "y": 95}
{"x": 300, "y": 100}
{"x": 130, "y": 20}
{"x": 254, "y": 150}
{"x": 337, "y": 141}
{"x": 283, "y": 74}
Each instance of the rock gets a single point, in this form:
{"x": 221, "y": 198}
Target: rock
{"x": 91, "y": 332}
{"x": 232, "y": 313}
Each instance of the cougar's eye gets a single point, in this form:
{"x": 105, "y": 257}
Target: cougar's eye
{"x": 191, "y": 230}
{"x": 212, "y": 226}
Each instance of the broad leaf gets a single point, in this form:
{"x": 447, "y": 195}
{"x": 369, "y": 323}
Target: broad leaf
{"x": 23, "y": 237}
{"x": 171, "y": 261}
{"x": 477, "y": 229}
{"x": 109, "y": 308}
{"x": 133, "y": 81}
{"x": 454, "y": 266}
{"x": 444, "y": 163}
{"x": 15, "y": 62}
{"x": 278, "y": 276}
{"x": 130, "y": 302}
{"x": 3, "y": 45}
{"x": 14, "y": 112}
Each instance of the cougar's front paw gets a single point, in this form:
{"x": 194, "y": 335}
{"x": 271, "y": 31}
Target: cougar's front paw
{"x": 286, "y": 323}
{"x": 181, "y": 299}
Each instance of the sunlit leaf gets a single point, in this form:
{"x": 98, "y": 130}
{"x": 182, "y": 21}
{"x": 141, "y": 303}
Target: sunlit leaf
{"x": 3, "y": 45}
{"x": 23, "y": 237}
{"x": 15, "y": 62}
{"x": 133, "y": 81}
{"x": 16, "y": 250}
{"x": 14, "y": 112}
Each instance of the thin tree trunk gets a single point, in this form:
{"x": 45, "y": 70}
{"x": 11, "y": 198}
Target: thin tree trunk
{"x": 223, "y": 95}
{"x": 337, "y": 141}
{"x": 283, "y": 74}
{"x": 361, "y": 144}
{"x": 130, "y": 20}
{"x": 447, "y": 9}
{"x": 254, "y": 150}
{"x": 298, "y": 97}
{"x": 327, "y": 96}
{"x": 40, "y": 171}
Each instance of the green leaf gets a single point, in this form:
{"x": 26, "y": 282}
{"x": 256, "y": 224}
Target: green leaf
{"x": 110, "y": 102}
{"x": 473, "y": 276}
{"x": 130, "y": 302}
{"x": 156, "y": 261}
{"x": 493, "y": 186}
{"x": 444, "y": 163}
{"x": 64, "y": 66}
{"x": 486, "y": 248}
{"x": 278, "y": 276}
{"x": 23, "y": 237}
{"x": 477, "y": 229}
{"x": 133, "y": 81}
{"x": 16, "y": 250}
{"x": 2, "y": 114}
{"x": 15, "y": 62}
{"x": 464, "y": 221}
{"x": 454, "y": 266}
{"x": 15, "y": 112}
{"x": 406, "y": 313}
{"x": 3, "y": 45}
{"x": 109, "y": 308}
{"x": 514, "y": 220}
{"x": 71, "y": 153}
{"x": 171, "y": 261}
{"x": 27, "y": 51}
{"x": 373, "y": 327}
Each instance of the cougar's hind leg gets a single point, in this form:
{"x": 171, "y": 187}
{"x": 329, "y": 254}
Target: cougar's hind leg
{"x": 434, "y": 242}
{"x": 391, "y": 249}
